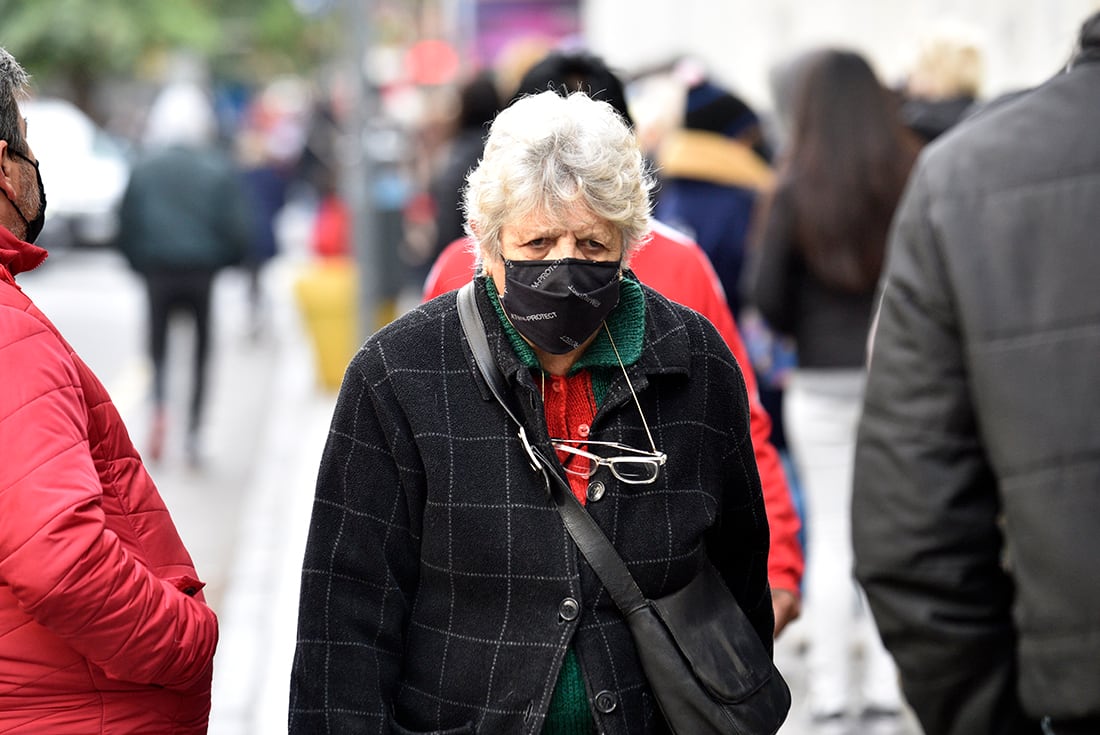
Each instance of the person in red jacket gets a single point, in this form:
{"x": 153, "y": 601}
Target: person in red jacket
{"x": 674, "y": 265}
{"x": 103, "y": 627}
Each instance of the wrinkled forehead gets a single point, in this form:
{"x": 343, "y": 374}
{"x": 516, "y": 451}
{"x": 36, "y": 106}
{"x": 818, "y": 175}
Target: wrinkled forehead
{"x": 575, "y": 218}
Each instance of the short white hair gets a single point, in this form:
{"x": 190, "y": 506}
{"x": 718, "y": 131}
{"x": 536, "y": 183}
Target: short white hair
{"x": 182, "y": 114}
{"x": 546, "y": 154}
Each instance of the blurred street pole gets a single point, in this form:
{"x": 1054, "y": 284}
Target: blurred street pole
{"x": 357, "y": 175}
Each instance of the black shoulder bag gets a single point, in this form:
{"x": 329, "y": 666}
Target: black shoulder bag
{"x": 703, "y": 659}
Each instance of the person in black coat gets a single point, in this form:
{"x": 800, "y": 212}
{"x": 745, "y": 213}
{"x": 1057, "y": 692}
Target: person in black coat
{"x": 440, "y": 590}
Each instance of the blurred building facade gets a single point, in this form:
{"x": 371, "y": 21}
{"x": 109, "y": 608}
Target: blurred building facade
{"x": 1025, "y": 41}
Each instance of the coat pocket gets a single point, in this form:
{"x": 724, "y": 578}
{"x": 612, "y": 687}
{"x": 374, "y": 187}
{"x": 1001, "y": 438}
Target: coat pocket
{"x": 186, "y": 584}
{"x": 467, "y": 729}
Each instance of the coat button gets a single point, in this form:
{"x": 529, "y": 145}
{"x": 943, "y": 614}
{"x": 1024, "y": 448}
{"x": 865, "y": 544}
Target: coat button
{"x": 569, "y": 609}
{"x": 583, "y": 430}
{"x": 595, "y": 490}
{"x": 606, "y": 702}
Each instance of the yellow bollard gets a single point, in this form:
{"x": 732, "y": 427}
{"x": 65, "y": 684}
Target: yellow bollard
{"x": 326, "y": 295}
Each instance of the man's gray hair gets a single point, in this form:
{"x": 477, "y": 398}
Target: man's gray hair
{"x": 13, "y": 87}
{"x": 546, "y": 154}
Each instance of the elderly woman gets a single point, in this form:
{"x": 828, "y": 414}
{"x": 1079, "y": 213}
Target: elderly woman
{"x": 440, "y": 591}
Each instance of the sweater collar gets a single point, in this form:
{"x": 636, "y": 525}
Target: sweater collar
{"x": 626, "y": 322}
{"x": 17, "y": 256}
{"x": 665, "y": 348}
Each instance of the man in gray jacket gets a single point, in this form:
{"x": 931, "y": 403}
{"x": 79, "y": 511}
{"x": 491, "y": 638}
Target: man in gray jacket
{"x": 976, "y": 512}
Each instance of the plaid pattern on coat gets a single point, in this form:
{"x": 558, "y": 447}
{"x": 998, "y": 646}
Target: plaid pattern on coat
{"x": 436, "y": 568}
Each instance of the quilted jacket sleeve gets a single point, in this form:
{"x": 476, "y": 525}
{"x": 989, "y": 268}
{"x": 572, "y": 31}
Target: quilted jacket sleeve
{"x": 925, "y": 505}
{"x": 67, "y": 571}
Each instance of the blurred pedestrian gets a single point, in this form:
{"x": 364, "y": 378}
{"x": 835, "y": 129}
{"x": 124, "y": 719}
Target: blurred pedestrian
{"x": 478, "y": 105}
{"x": 441, "y": 591}
{"x": 265, "y": 172}
{"x": 714, "y": 170}
{"x": 712, "y": 173}
{"x": 317, "y": 170}
{"x": 103, "y": 628}
{"x": 434, "y": 218}
{"x": 943, "y": 85}
{"x": 183, "y": 219}
{"x": 783, "y": 84}
{"x": 977, "y": 479}
{"x": 675, "y": 266}
{"x": 823, "y": 240}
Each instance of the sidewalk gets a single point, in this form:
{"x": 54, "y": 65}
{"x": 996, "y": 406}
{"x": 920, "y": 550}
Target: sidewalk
{"x": 260, "y": 605}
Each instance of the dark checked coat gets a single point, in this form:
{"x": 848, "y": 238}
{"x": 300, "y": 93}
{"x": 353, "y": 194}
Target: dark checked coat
{"x": 439, "y": 583}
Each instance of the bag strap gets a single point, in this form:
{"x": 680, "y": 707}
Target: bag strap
{"x": 474, "y": 329}
{"x": 586, "y": 533}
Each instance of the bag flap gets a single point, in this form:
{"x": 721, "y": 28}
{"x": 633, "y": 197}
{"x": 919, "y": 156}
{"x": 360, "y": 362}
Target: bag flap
{"x": 716, "y": 637}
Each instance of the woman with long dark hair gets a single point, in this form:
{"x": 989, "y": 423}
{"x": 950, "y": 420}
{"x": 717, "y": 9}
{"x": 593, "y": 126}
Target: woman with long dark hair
{"x": 818, "y": 254}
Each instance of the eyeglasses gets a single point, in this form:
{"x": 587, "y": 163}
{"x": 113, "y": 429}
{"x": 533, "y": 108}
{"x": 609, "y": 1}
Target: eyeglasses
{"x": 635, "y": 466}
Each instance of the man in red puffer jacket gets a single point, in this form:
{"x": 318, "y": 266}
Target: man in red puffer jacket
{"x": 103, "y": 628}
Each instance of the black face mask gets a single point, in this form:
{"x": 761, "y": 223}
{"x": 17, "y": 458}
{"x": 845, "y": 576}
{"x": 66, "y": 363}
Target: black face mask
{"x": 558, "y": 304}
{"x": 34, "y": 226}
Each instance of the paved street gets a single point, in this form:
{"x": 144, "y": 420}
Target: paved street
{"x": 244, "y": 514}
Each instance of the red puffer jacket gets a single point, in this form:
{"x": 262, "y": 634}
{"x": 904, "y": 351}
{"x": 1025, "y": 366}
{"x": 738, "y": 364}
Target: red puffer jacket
{"x": 103, "y": 628}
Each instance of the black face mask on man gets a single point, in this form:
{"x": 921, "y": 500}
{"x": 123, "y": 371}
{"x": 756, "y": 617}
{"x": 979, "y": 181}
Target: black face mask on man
{"x": 34, "y": 226}
{"x": 558, "y": 304}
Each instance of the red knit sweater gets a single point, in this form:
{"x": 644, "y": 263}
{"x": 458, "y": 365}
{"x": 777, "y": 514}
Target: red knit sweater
{"x": 570, "y": 406}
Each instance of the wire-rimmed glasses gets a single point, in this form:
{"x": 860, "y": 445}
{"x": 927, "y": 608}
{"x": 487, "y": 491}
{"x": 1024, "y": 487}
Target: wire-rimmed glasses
{"x": 633, "y": 466}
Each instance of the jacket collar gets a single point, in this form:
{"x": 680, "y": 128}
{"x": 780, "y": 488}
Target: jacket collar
{"x": 664, "y": 346}
{"x": 714, "y": 158}
{"x": 17, "y": 256}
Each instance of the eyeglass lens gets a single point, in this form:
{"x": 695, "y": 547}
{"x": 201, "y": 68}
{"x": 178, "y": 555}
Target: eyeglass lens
{"x": 631, "y": 471}
{"x": 627, "y": 469}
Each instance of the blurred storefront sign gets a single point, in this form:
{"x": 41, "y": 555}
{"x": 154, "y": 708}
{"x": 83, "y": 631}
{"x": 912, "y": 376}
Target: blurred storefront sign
{"x": 431, "y": 61}
{"x": 500, "y": 24}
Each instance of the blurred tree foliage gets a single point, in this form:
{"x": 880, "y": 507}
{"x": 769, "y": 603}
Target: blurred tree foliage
{"x": 76, "y": 44}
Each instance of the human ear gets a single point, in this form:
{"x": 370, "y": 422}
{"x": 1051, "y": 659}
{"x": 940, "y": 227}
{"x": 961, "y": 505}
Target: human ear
{"x": 7, "y": 170}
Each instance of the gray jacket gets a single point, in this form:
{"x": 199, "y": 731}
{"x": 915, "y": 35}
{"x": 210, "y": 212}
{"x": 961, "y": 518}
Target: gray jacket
{"x": 976, "y": 512}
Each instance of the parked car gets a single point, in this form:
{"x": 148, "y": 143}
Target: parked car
{"x": 84, "y": 170}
